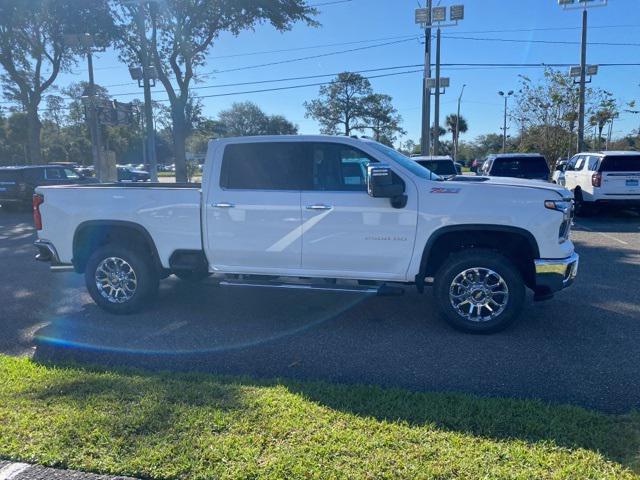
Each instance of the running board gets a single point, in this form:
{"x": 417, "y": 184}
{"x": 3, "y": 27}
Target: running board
{"x": 381, "y": 290}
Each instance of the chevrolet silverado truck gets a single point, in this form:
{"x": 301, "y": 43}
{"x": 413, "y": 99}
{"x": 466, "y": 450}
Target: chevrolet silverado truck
{"x": 317, "y": 213}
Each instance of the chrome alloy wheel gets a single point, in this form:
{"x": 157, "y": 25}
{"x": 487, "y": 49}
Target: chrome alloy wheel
{"x": 116, "y": 280}
{"x": 478, "y": 294}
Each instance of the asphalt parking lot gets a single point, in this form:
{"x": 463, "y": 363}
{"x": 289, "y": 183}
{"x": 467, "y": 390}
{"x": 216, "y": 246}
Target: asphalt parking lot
{"x": 582, "y": 347}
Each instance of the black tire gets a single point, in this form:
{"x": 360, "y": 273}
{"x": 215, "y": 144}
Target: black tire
{"x": 146, "y": 276}
{"x": 581, "y": 208}
{"x": 458, "y": 263}
{"x": 192, "y": 276}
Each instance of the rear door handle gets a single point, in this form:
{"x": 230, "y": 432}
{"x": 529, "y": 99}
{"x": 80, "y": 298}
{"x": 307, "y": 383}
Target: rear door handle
{"x": 222, "y": 205}
{"x": 319, "y": 206}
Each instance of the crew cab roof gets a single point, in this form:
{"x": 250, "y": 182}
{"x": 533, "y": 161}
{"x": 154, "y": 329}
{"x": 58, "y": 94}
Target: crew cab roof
{"x": 515, "y": 154}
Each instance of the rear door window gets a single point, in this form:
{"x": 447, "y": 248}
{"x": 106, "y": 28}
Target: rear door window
{"x": 620, "y": 163}
{"x": 54, "y": 174}
{"x": 512, "y": 166}
{"x": 266, "y": 166}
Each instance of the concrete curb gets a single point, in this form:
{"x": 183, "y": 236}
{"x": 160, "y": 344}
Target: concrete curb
{"x": 26, "y": 471}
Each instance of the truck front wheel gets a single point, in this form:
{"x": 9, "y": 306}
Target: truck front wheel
{"x": 120, "y": 280}
{"x": 479, "y": 291}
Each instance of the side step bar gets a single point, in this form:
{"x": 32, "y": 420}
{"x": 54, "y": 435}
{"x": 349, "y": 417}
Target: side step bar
{"x": 380, "y": 290}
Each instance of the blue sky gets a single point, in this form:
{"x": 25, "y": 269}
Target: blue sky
{"x": 373, "y": 22}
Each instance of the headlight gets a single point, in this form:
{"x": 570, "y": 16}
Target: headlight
{"x": 566, "y": 207}
{"x": 563, "y": 206}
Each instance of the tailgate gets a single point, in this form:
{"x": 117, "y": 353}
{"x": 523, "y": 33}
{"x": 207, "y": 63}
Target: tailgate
{"x": 9, "y": 183}
{"x": 620, "y": 175}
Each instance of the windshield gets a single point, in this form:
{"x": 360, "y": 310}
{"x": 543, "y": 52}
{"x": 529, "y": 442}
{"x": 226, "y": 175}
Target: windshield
{"x": 405, "y": 161}
{"x": 444, "y": 168}
{"x": 621, "y": 163}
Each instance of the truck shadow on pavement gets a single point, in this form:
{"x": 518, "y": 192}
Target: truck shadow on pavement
{"x": 579, "y": 348}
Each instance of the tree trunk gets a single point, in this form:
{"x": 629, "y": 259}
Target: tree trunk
{"x": 179, "y": 140}
{"x": 33, "y": 135}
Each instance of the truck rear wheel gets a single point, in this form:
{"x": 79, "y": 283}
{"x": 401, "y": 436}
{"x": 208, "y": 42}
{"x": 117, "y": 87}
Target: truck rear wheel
{"x": 120, "y": 280}
{"x": 479, "y": 291}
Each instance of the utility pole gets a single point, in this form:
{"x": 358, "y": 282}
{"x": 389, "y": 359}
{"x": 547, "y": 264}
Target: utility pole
{"x": 148, "y": 108}
{"x": 425, "y": 139}
{"x": 455, "y": 144}
{"x": 583, "y": 77}
{"x": 582, "y": 4}
{"x": 436, "y": 108}
{"x": 94, "y": 126}
{"x": 85, "y": 41}
{"x": 426, "y": 17}
{"x": 504, "y": 124}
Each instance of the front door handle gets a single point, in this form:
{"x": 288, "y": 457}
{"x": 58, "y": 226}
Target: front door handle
{"x": 319, "y": 206}
{"x": 222, "y": 205}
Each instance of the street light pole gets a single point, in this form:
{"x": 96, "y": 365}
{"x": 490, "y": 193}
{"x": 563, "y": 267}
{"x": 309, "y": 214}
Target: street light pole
{"x": 425, "y": 139}
{"x": 455, "y": 144}
{"x": 504, "y": 124}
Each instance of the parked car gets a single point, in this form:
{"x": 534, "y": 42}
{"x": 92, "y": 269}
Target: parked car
{"x": 131, "y": 174}
{"x": 558, "y": 172}
{"x": 604, "y": 178}
{"x": 458, "y": 166}
{"x": 17, "y": 184}
{"x": 318, "y": 213}
{"x": 517, "y": 165}
{"x": 442, "y": 165}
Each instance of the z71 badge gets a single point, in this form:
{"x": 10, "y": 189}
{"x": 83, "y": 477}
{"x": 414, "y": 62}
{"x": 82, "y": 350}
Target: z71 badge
{"x": 444, "y": 190}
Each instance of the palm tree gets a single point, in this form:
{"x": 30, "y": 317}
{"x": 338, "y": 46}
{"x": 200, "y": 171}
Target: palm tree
{"x": 456, "y": 126}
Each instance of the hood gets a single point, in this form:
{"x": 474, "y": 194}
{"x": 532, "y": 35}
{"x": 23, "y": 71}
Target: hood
{"x": 513, "y": 182}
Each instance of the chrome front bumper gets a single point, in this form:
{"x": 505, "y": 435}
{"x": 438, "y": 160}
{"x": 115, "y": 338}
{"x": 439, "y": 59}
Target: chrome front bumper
{"x": 48, "y": 253}
{"x": 554, "y": 274}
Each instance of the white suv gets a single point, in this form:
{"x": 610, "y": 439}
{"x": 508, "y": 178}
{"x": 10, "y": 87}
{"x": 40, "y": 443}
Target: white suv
{"x": 604, "y": 178}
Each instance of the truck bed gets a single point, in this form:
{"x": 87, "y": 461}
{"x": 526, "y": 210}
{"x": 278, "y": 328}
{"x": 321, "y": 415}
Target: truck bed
{"x": 169, "y": 212}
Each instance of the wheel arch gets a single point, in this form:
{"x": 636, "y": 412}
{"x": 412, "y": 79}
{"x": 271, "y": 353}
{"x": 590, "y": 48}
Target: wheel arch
{"x": 93, "y": 234}
{"x": 517, "y": 244}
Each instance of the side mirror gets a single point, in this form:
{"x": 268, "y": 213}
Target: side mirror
{"x": 380, "y": 184}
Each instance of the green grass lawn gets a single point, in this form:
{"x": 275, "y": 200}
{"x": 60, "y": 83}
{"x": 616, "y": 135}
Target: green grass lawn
{"x": 169, "y": 425}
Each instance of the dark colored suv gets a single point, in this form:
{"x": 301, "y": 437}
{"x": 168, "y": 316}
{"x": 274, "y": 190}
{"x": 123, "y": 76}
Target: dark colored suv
{"x": 519, "y": 165}
{"x": 18, "y": 183}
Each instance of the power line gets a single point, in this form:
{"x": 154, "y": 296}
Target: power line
{"x": 311, "y": 57}
{"x": 550, "y": 42}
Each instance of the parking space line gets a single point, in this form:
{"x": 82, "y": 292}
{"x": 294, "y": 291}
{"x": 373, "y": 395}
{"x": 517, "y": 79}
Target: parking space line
{"x": 606, "y": 235}
{"x": 13, "y": 470}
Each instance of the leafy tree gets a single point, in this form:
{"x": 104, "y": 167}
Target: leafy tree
{"x": 348, "y": 104}
{"x": 382, "y": 118}
{"x": 33, "y": 50}
{"x": 182, "y": 33}
{"x": 606, "y": 111}
{"x": 456, "y": 126}
{"x": 246, "y": 118}
{"x": 342, "y": 104}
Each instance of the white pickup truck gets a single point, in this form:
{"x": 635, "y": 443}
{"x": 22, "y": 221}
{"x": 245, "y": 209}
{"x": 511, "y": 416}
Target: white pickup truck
{"x": 317, "y": 213}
